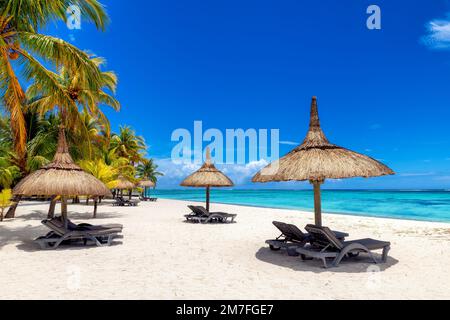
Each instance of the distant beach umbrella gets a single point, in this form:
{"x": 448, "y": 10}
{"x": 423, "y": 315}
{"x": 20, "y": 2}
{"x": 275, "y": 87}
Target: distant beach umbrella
{"x": 146, "y": 184}
{"x": 124, "y": 183}
{"x": 207, "y": 176}
{"x": 317, "y": 159}
{"x": 62, "y": 177}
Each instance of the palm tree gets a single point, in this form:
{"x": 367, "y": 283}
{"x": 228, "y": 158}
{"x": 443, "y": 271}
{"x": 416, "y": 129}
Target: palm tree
{"x": 8, "y": 173}
{"x": 77, "y": 91}
{"x": 128, "y": 145}
{"x": 19, "y": 40}
{"x": 148, "y": 170}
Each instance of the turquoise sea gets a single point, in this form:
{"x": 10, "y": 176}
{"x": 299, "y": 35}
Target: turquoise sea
{"x": 417, "y": 205}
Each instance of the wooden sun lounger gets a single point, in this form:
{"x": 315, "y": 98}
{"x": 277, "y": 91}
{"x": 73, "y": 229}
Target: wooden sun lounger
{"x": 194, "y": 214}
{"x": 59, "y": 234}
{"x": 292, "y": 238}
{"x": 148, "y": 199}
{"x": 201, "y": 215}
{"x": 331, "y": 247}
{"x": 87, "y": 226}
{"x": 121, "y": 202}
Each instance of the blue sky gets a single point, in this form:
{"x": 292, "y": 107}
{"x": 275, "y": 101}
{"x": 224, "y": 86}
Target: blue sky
{"x": 256, "y": 64}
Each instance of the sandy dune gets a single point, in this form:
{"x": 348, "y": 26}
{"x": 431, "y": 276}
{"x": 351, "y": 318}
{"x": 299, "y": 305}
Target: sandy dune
{"x": 161, "y": 257}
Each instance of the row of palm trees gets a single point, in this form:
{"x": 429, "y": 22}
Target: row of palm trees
{"x": 105, "y": 155}
{"x": 65, "y": 86}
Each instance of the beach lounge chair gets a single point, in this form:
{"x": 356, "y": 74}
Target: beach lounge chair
{"x": 121, "y": 202}
{"x": 87, "y": 226}
{"x": 194, "y": 214}
{"x": 292, "y": 238}
{"x": 142, "y": 198}
{"x": 200, "y": 214}
{"x": 101, "y": 235}
{"x": 324, "y": 245}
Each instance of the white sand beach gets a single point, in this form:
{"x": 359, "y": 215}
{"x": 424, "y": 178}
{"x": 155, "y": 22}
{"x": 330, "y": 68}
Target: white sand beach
{"x": 162, "y": 257}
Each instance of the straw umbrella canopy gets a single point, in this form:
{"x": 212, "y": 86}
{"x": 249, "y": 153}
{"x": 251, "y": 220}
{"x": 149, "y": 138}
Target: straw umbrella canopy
{"x": 61, "y": 177}
{"x": 124, "y": 183}
{"x": 207, "y": 176}
{"x": 317, "y": 159}
{"x": 146, "y": 184}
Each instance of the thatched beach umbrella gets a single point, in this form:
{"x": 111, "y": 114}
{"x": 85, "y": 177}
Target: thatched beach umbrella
{"x": 207, "y": 176}
{"x": 317, "y": 159}
{"x": 146, "y": 184}
{"x": 124, "y": 183}
{"x": 62, "y": 177}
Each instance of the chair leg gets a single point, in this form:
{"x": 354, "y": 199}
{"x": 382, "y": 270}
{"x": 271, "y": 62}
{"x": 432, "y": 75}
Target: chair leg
{"x": 385, "y": 253}
{"x": 339, "y": 258}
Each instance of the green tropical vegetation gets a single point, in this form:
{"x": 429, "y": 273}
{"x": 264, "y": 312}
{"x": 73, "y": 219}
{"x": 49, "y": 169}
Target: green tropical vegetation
{"x": 5, "y": 200}
{"x": 65, "y": 86}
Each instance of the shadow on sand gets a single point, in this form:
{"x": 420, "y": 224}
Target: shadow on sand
{"x": 23, "y": 235}
{"x": 87, "y": 215}
{"x": 358, "y": 264}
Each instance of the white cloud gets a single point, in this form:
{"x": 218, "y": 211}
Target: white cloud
{"x": 242, "y": 173}
{"x": 438, "y": 36}
{"x": 442, "y": 178}
{"x": 175, "y": 172}
{"x": 416, "y": 174}
{"x": 289, "y": 143}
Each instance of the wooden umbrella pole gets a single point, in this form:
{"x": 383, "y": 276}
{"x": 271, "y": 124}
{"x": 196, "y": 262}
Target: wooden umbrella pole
{"x": 64, "y": 210}
{"x": 317, "y": 202}
{"x": 207, "y": 198}
{"x": 95, "y": 208}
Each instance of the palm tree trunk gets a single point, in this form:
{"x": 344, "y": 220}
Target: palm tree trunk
{"x": 12, "y": 209}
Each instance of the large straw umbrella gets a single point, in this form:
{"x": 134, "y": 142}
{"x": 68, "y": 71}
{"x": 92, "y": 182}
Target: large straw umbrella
{"x": 317, "y": 159}
{"x": 146, "y": 184}
{"x": 207, "y": 176}
{"x": 62, "y": 177}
